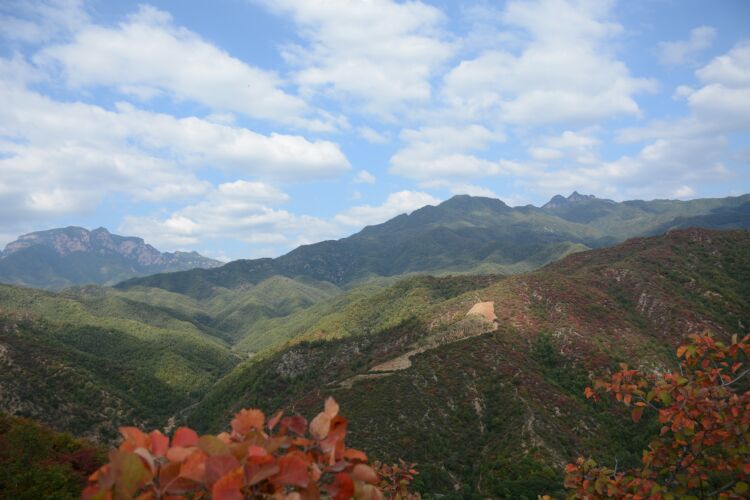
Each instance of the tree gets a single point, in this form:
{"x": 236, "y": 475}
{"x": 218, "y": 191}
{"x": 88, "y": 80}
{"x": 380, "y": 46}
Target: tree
{"x": 703, "y": 448}
{"x": 279, "y": 458}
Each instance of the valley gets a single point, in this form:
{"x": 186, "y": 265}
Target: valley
{"x": 472, "y": 346}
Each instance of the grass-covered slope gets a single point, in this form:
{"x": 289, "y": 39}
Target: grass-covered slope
{"x": 88, "y": 361}
{"x": 495, "y": 409}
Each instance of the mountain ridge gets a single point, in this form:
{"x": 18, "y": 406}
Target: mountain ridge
{"x": 60, "y": 257}
{"x": 465, "y": 233}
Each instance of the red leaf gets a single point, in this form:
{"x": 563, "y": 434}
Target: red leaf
{"x": 219, "y": 466}
{"x": 159, "y": 443}
{"x": 293, "y": 470}
{"x": 261, "y": 469}
{"x": 342, "y": 487}
{"x": 297, "y": 424}
{"x": 185, "y": 436}
{"x": 228, "y": 487}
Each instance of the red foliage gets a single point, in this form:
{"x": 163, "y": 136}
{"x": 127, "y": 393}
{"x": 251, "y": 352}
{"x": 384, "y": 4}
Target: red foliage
{"x": 249, "y": 462}
{"x": 703, "y": 449}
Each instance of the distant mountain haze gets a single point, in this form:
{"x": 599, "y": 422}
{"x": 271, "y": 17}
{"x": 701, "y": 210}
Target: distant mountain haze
{"x": 467, "y": 234}
{"x": 58, "y": 258}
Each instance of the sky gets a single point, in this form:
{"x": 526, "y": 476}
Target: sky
{"x": 245, "y": 128}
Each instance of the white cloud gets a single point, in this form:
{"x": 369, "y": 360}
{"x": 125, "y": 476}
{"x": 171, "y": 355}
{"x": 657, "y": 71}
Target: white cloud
{"x": 148, "y": 55}
{"x": 60, "y": 158}
{"x": 379, "y": 54}
{"x": 396, "y": 204}
{"x": 364, "y": 177}
{"x": 564, "y": 73}
{"x": 439, "y": 152}
{"x": 40, "y": 21}
{"x": 684, "y": 192}
{"x": 371, "y": 135}
{"x": 683, "y": 51}
{"x": 236, "y": 210}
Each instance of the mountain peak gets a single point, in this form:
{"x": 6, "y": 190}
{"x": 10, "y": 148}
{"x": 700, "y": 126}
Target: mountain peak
{"x": 53, "y": 258}
{"x": 559, "y": 201}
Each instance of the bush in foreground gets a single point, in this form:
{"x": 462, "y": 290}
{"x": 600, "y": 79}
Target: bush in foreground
{"x": 703, "y": 449}
{"x": 279, "y": 457}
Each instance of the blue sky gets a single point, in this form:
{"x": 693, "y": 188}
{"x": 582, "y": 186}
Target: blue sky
{"x": 244, "y": 128}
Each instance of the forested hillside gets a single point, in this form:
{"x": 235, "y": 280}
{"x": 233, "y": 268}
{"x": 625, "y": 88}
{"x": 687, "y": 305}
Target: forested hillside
{"x": 497, "y": 407}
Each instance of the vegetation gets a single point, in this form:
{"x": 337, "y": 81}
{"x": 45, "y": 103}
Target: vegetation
{"x": 59, "y": 258}
{"x": 462, "y": 234}
{"x": 255, "y": 460}
{"x": 39, "y": 463}
{"x": 703, "y": 447}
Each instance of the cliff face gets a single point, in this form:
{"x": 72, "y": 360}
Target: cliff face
{"x": 67, "y": 256}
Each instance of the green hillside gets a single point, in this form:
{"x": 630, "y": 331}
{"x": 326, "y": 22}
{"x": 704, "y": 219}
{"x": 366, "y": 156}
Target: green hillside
{"x": 497, "y": 408}
{"x": 88, "y": 361}
{"x": 462, "y": 234}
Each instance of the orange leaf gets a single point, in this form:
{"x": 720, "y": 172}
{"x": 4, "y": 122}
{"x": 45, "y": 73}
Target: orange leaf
{"x": 246, "y": 420}
{"x": 185, "y": 436}
{"x": 331, "y": 408}
{"x": 159, "y": 443}
{"x": 352, "y": 454}
{"x": 228, "y": 487}
{"x": 637, "y": 413}
{"x": 134, "y": 437}
{"x": 320, "y": 426}
{"x": 194, "y": 467}
{"x": 365, "y": 473}
{"x": 275, "y": 420}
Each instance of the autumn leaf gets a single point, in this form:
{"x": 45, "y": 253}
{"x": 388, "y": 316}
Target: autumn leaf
{"x": 159, "y": 443}
{"x": 293, "y": 470}
{"x": 219, "y": 466}
{"x": 246, "y": 420}
{"x": 228, "y": 487}
{"x": 365, "y": 473}
{"x": 185, "y": 436}
{"x": 130, "y": 473}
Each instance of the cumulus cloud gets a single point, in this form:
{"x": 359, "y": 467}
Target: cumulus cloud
{"x": 396, "y": 204}
{"x": 445, "y": 152}
{"x": 563, "y": 73}
{"x": 683, "y": 51}
{"x": 147, "y": 55}
{"x": 238, "y": 210}
{"x": 61, "y": 158}
{"x": 379, "y": 55}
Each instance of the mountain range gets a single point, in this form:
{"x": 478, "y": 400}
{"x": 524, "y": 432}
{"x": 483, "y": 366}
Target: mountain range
{"x": 58, "y": 258}
{"x": 459, "y": 337}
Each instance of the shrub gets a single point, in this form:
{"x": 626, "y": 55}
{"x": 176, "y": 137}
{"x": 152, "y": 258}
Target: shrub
{"x": 282, "y": 457}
